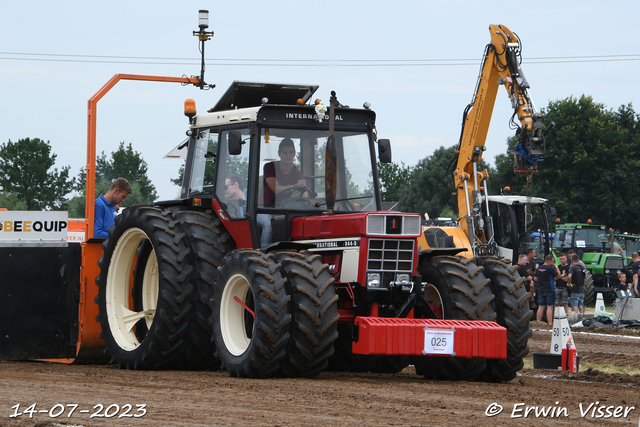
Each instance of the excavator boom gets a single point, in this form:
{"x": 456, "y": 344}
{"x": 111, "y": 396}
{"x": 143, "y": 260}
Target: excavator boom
{"x": 500, "y": 67}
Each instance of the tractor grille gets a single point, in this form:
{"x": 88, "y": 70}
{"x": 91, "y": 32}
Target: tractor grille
{"x": 393, "y": 224}
{"x": 390, "y": 257}
{"x": 613, "y": 263}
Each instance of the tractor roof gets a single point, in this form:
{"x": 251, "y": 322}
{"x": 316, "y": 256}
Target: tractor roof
{"x": 247, "y": 94}
{"x": 517, "y": 200}
{"x": 579, "y": 225}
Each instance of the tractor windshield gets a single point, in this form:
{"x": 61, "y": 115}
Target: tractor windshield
{"x": 292, "y": 170}
{"x": 592, "y": 238}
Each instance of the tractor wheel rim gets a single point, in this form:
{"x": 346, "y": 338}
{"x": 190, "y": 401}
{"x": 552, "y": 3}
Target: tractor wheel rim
{"x": 433, "y": 297}
{"x": 119, "y": 303}
{"x": 232, "y": 315}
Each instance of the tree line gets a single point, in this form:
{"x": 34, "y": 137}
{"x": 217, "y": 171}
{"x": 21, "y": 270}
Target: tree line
{"x": 589, "y": 171}
{"x": 28, "y": 180}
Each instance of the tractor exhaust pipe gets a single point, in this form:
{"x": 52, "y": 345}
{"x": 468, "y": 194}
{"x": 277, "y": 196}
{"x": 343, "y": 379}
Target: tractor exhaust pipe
{"x": 330, "y": 158}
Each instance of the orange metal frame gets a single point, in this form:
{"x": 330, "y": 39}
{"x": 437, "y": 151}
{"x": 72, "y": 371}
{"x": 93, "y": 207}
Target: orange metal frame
{"x": 91, "y": 130}
{"x": 89, "y": 342}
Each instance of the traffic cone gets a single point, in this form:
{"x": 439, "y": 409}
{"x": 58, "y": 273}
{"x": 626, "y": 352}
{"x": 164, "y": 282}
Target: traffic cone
{"x": 600, "y": 304}
{"x": 561, "y": 331}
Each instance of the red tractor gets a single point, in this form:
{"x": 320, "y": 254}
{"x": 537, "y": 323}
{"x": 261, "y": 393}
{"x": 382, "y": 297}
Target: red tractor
{"x": 277, "y": 258}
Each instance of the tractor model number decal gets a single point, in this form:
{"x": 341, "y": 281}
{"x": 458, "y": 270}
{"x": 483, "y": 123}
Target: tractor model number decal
{"x": 337, "y": 244}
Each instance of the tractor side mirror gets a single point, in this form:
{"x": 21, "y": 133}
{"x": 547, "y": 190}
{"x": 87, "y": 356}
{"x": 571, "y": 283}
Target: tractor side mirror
{"x": 384, "y": 150}
{"x": 235, "y": 142}
{"x": 553, "y": 215}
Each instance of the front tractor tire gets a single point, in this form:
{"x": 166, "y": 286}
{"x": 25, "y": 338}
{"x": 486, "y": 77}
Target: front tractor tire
{"x": 314, "y": 313}
{"x": 455, "y": 288}
{"x": 143, "y": 320}
{"x": 512, "y": 308}
{"x": 250, "y": 314}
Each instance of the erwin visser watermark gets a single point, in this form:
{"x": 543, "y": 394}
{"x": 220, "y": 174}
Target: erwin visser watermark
{"x": 581, "y": 410}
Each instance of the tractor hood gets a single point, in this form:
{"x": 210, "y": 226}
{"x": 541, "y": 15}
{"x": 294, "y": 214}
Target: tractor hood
{"x": 375, "y": 224}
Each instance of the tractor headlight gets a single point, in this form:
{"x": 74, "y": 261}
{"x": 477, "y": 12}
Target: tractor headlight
{"x": 606, "y": 271}
{"x": 403, "y": 279}
{"x": 373, "y": 280}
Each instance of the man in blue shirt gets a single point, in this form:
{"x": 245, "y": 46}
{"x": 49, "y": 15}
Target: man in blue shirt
{"x": 106, "y": 207}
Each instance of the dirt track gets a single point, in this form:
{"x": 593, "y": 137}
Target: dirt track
{"x": 347, "y": 399}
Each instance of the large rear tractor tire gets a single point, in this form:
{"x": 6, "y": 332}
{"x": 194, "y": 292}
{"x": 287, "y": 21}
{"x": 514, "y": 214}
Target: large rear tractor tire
{"x": 143, "y": 323}
{"x": 209, "y": 243}
{"x": 456, "y": 288}
{"x": 250, "y": 314}
{"x": 314, "y": 312}
{"x": 512, "y": 308}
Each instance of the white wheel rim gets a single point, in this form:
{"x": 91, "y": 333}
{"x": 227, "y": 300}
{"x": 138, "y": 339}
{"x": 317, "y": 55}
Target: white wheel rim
{"x": 433, "y": 297}
{"x": 232, "y": 324}
{"x": 120, "y": 314}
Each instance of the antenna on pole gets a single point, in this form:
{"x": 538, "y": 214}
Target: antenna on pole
{"x": 203, "y": 36}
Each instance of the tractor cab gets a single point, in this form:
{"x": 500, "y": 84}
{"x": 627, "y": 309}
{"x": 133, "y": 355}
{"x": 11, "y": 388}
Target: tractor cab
{"x": 520, "y": 223}
{"x": 264, "y": 164}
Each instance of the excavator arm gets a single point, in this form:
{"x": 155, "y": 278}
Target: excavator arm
{"x": 500, "y": 67}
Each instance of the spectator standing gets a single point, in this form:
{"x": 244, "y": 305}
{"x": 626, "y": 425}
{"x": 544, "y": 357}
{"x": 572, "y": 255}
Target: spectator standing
{"x": 622, "y": 286}
{"x": 573, "y": 252}
{"x": 531, "y": 267}
{"x": 525, "y": 272}
{"x": 577, "y": 275}
{"x": 562, "y": 295}
{"x": 615, "y": 246}
{"x": 546, "y": 298}
{"x": 635, "y": 267}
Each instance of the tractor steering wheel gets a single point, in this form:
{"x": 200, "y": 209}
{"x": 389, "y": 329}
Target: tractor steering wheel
{"x": 301, "y": 189}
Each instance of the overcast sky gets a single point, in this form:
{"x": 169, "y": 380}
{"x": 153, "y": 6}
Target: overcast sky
{"x": 54, "y": 56}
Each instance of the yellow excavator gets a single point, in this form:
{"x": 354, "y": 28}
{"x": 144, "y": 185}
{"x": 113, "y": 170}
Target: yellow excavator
{"x": 490, "y": 230}
{"x": 516, "y": 218}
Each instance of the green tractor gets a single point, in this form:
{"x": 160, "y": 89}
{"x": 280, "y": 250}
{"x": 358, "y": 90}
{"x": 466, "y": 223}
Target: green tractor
{"x": 591, "y": 243}
{"x": 629, "y": 243}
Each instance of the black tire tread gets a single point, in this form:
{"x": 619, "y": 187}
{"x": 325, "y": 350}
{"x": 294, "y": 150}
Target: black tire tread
{"x": 471, "y": 299}
{"x": 314, "y": 311}
{"x": 209, "y": 242}
{"x": 271, "y": 305}
{"x": 164, "y": 341}
{"x": 512, "y": 308}
{"x": 589, "y": 292}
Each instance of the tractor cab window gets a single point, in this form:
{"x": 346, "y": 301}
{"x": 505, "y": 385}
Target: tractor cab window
{"x": 563, "y": 239}
{"x": 591, "y": 238}
{"x": 292, "y": 171}
{"x": 204, "y": 162}
{"x": 531, "y": 223}
{"x": 233, "y": 174}
{"x": 502, "y": 224}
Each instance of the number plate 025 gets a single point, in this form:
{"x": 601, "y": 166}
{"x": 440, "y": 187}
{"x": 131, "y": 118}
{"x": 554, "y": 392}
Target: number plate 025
{"x": 438, "y": 342}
